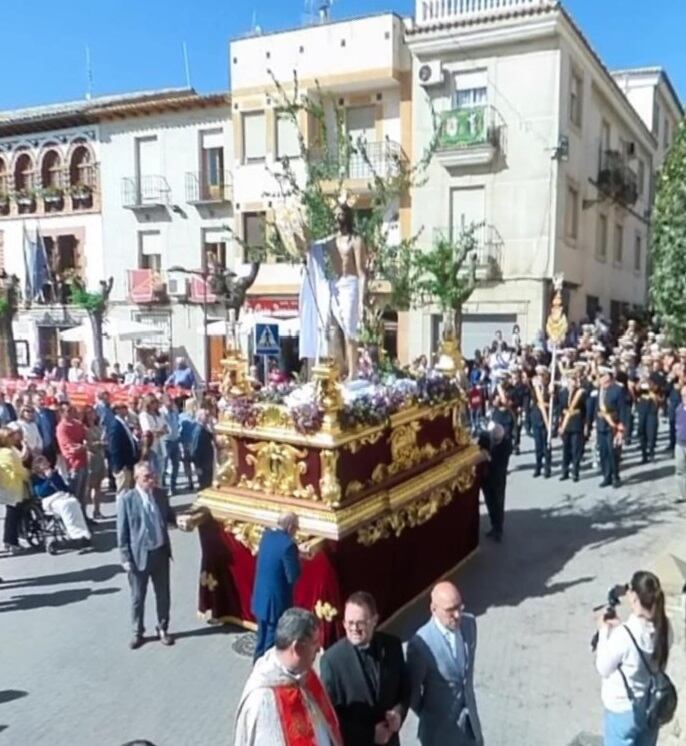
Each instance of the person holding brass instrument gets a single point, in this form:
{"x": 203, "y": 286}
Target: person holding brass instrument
{"x": 540, "y": 420}
{"x": 573, "y": 410}
{"x": 608, "y": 416}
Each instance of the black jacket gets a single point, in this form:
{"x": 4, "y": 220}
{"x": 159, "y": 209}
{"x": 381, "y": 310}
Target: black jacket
{"x": 358, "y": 707}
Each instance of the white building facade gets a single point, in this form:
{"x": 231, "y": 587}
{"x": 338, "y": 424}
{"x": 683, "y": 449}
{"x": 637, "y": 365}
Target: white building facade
{"x": 167, "y": 201}
{"x": 542, "y": 152}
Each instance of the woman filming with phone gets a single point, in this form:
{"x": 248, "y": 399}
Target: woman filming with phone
{"x": 631, "y": 658}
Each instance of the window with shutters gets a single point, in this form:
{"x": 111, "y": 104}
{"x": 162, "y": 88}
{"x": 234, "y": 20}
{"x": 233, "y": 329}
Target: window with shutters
{"x": 638, "y": 251}
{"x": 576, "y": 98}
{"x": 572, "y": 221}
{"x": 150, "y": 250}
{"x": 254, "y": 137}
{"x": 618, "y": 253}
{"x": 254, "y": 232}
{"x": 287, "y": 142}
{"x": 601, "y": 238}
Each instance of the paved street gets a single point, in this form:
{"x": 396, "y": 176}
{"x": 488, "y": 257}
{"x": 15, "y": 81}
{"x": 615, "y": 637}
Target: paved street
{"x": 67, "y": 677}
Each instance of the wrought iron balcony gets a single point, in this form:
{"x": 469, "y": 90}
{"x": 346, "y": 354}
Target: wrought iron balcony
{"x": 616, "y": 180}
{"x": 488, "y": 249}
{"x": 361, "y": 162}
{"x": 205, "y": 188}
{"x": 434, "y": 12}
{"x": 143, "y": 192}
{"x": 469, "y": 136}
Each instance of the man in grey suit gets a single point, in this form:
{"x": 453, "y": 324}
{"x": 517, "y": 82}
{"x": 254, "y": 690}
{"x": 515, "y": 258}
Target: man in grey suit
{"x": 440, "y": 659}
{"x": 142, "y": 517}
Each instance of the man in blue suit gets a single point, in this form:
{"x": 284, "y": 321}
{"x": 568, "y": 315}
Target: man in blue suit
{"x": 46, "y": 420}
{"x": 123, "y": 450}
{"x": 608, "y": 409}
{"x": 440, "y": 659}
{"x": 143, "y": 514}
{"x": 278, "y": 567}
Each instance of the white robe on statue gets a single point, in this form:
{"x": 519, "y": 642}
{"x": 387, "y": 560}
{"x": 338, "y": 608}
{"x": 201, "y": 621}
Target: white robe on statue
{"x": 314, "y": 303}
{"x": 257, "y": 720}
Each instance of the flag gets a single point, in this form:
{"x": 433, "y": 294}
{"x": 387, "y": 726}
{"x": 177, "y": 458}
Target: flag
{"x": 200, "y": 293}
{"x": 141, "y": 285}
{"x": 29, "y": 250}
{"x": 41, "y": 270}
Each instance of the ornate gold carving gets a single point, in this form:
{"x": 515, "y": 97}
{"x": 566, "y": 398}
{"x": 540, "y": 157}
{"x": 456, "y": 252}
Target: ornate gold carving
{"x": 354, "y": 488}
{"x": 404, "y": 450}
{"x": 235, "y": 377}
{"x": 366, "y": 440}
{"x": 207, "y": 580}
{"x": 274, "y": 415}
{"x": 329, "y": 486}
{"x": 465, "y": 478}
{"x": 324, "y": 610}
{"x": 278, "y": 469}
{"x": 227, "y": 461}
{"x": 460, "y": 430}
{"x": 327, "y": 394}
{"x": 380, "y": 473}
{"x": 249, "y": 534}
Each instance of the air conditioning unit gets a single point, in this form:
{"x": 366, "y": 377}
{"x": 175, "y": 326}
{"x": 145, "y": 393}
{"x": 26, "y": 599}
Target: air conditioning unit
{"x": 177, "y": 287}
{"x": 430, "y": 73}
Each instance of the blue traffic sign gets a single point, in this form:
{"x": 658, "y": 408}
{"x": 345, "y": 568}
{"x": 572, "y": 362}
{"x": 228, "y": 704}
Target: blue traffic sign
{"x": 267, "y": 339}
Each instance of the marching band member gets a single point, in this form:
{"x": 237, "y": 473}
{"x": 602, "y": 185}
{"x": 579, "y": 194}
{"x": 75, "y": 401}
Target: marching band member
{"x": 647, "y": 407}
{"x": 573, "y": 408}
{"x": 609, "y": 407}
{"x": 540, "y": 420}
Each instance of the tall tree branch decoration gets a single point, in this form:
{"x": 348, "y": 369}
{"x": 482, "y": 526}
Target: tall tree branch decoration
{"x": 95, "y": 304}
{"x": 327, "y": 159}
{"x": 668, "y": 251}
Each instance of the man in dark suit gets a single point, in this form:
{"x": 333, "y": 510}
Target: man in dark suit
{"x": 202, "y": 451}
{"x": 122, "y": 449}
{"x": 277, "y": 569}
{"x": 142, "y": 517}
{"x": 7, "y": 411}
{"x": 573, "y": 409}
{"x": 366, "y": 678}
{"x": 46, "y": 420}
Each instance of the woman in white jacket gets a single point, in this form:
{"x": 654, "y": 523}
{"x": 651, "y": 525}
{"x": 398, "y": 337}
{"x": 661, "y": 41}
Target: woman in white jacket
{"x": 624, "y": 673}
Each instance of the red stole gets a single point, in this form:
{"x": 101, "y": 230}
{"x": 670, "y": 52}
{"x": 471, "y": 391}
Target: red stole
{"x": 296, "y": 722}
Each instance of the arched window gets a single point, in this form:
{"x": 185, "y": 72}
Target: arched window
{"x": 81, "y": 167}
{"x": 23, "y": 173}
{"x": 4, "y": 186}
{"x": 51, "y": 170}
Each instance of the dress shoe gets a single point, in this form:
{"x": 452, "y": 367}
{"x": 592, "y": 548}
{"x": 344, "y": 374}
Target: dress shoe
{"x": 495, "y": 535}
{"x": 136, "y": 642}
{"x": 575, "y": 478}
{"x": 605, "y": 483}
{"x": 537, "y": 473}
{"x": 564, "y": 477}
{"x": 617, "y": 483}
{"x": 164, "y": 637}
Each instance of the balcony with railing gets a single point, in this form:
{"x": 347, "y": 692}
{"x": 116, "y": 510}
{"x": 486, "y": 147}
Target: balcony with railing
{"x": 147, "y": 286}
{"x": 488, "y": 249}
{"x": 616, "y": 179}
{"x": 469, "y": 136}
{"x": 145, "y": 192}
{"x": 437, "y": 12}
{"x": 359, "y": 163}
{"x": 205, "y": 188}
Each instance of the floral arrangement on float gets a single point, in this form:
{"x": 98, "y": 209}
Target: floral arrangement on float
{"x": 369, "y": 402}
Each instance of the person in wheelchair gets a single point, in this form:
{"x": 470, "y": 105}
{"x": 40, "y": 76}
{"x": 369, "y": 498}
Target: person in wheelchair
{"x": 55, "y": 498}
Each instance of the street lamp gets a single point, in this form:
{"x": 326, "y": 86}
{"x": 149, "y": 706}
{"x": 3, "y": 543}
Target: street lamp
{"x": 204, "y": 274}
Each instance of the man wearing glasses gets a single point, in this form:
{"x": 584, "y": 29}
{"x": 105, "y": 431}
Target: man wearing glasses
{"x": 365, "y": 677}
{"x": 142, "y": 517}
{"x": 440, "y": 659}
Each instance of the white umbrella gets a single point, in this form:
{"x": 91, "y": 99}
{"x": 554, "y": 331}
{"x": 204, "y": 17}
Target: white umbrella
{"x": 247, "y": 323}
{"x": 120, "y": 329}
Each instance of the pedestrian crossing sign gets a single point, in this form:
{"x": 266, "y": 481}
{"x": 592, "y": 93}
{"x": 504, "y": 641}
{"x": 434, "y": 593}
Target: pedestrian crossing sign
{"x": 267, "y": 339}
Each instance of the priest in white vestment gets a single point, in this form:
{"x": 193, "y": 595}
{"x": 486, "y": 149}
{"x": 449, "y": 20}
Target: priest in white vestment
{"x": 283, "y": 702}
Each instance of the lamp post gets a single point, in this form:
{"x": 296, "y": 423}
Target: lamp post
{"x": 204, "y": 274}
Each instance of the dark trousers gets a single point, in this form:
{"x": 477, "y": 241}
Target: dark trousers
{"x": 609, "y": 457}
{"x": 204, "y": 473}
{"x": 187, "y": 465}
{"x": 10, "y": 533}
{"x": 572, "y": 451}
{"x": 517, "y": 434}
{"x": 494, "y": 496}
{"x": 672, "y": 432}
{"x": 266, "y": 632}
{"x": 172, "y": 454}
{"x": 157, "y": 570}
{"x": 542, "y": 451}
{"x": 647, "y": 436}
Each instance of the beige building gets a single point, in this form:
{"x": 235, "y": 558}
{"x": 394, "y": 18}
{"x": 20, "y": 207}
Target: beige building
{"x": 362, "y": 67}
{"x": 543, "y": 152}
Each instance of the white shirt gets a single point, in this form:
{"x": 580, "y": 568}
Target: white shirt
{"x": 32, "y": 436}
{"x": 455, "y": 642}
{"x": 75, "y": 375}
{"x": 152, "y": 423}
{"x": 615, "y": 648}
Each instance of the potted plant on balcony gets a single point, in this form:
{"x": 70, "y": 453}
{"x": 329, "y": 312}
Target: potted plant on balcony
{"x": 80, "y": 191}
{"x": 25, "y": 197}
{"x": 52, "y": 195}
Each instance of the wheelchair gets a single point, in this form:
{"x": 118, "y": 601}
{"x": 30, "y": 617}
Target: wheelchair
{"x": 39, "y": 528}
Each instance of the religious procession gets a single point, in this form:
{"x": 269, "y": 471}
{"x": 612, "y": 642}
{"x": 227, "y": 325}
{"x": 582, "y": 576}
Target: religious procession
{"x": 373, "y": 366}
